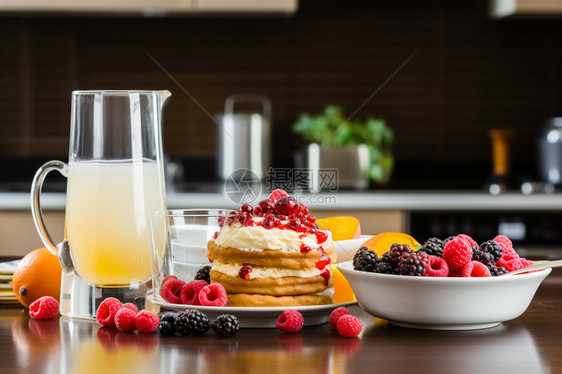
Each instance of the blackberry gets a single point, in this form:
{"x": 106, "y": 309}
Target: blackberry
{"x": 203, "y": 274}
{"x": 496, "y": 270}
{"x": 448, "y": 239}
{"x": 396, "y": 251}
{"x": 365, "y": 260}
{"x": 358, "y": 254}
{"x": 413, "y": 263}
{"x": 385, "y": 267}
{"x": 483, "y": 257}
{"x": 192, "y": 322}
{"x": 225, "y": 325}
{"x": 166, "y": 325}
{"x": 433, "y": 247}
{"x": 492, "y": 247}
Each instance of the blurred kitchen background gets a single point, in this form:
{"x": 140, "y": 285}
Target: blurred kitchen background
{"x": 471, "y": 73}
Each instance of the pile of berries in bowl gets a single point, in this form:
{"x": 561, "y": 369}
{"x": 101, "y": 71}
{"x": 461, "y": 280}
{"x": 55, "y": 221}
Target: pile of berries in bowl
{"x": 450, "y": 284}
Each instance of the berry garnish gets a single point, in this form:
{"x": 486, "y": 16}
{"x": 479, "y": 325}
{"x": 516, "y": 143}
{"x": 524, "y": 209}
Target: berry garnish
{"x": 336, "y": 315}
{"x": 286, "y": 205}
{"x": 321, "y": 236}
{"x": 105, "y": 314}
{"x": 213, "y": 295}
{"x": 349, "y": 326}
{"x": 171, "y": 290}
{"x": 189, "y": 293}
{"x": 323, "y": 262}
{"x": 277, "y": 194}
{"x": 437, "y": 267}
{"x": 45, "y": 307}
{"x": 475, "y": 269}
{"x": 326, "y": 275}
{"x": 146, "y": 321}
{"x": 247, "y": 208}
{"x": 225, "y": 325}
{"x": 125, "y": 319}
{"x": 305, "y": 248}
{"x": 290, "y": 321}
{"x": 245, "y": 272}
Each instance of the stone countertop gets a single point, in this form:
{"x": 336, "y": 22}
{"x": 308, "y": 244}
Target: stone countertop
{"x": 363, "y": 200}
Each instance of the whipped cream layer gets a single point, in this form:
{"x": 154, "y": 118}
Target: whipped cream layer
{"x": 266, "y": 272}
{"x": 257, "y": 238}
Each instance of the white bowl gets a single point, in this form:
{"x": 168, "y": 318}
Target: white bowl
{"x": 442, "y": 303}
{"x": 345, "y": 249}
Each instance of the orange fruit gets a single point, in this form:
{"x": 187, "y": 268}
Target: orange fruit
{"x": 342, "y": 290}
{"x": 37, "y": 274}
{"x": 382, "y": 242}
{"x": 342, "y": 227}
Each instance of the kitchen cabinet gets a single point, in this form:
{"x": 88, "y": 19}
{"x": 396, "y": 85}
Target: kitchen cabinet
{"x": 18, "y": 231}
{"x": 152, "y": 7}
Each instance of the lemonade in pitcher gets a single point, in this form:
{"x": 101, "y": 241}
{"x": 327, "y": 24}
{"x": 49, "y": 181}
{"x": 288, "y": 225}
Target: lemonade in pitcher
{"x": 105, "y": 226}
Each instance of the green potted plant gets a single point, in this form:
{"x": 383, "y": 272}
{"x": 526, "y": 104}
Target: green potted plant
{"x": 359, "y": 149}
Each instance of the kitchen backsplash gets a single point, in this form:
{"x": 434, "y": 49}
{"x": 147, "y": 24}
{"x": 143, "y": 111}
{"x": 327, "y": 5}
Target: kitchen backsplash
{"x": 469, "y": 74}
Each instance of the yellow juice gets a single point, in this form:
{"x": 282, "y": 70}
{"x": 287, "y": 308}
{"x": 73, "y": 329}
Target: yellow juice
{"x": 105, "y": 228}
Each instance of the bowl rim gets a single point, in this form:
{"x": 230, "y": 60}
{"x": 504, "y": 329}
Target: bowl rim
{"x": 347, "y": 267}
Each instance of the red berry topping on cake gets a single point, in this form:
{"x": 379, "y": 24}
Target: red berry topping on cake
{"x": 475, "y": 269}
{"x": 146, "y": 321}
{"x": 171, "y": 290}
{"x": 437, "y": 267}
{"x": 335, "y": 316}
{"x": 213, "y": 295}
{"x": 125, "y": 320}
{"x": 457, "y": 253}
{"x": 321, "y": 236}
{"x": 286, "y": 206}
{"x": 290, "y": 321}
{"x": 305, "y": 248}
{"x": 326, "y": 275}
{"x": 247, "y": 208}
{"x": 277, "y": 194}
{"x": 105, "y": 314}
{"x": 244, "y": 272}
{"x": 349, "y": 326}
{"x": 323, "y": 262}
{"x": 45, "y": 307}
{"x": 189, "y": 294}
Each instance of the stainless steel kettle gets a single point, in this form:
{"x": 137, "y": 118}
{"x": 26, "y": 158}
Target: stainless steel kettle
{"x": 550, "y": 151}
{"x": 244, "y": 139}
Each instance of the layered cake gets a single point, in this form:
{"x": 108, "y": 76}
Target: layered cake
{"x": 273, "y": 255}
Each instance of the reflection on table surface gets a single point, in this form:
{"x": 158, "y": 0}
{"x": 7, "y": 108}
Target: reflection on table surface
{"x": 529, "y": 344}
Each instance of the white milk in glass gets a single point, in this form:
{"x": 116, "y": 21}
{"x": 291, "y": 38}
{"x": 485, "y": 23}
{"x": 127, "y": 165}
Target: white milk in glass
{"x": 105, "y": 228}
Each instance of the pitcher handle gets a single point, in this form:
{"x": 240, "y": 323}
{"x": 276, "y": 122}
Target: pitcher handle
{"x": 36, "y": 211}
{"x": 259, "y": 98}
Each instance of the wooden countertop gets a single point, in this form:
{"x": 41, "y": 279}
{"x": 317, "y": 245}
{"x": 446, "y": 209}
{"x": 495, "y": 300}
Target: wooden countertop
{"x": 531, "y": 343}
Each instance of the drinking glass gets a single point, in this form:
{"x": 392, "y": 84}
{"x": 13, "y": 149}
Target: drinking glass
{"x": 115, "y": 173}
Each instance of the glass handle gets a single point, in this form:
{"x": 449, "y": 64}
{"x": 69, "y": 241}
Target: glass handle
{"x": 36, "y": 211}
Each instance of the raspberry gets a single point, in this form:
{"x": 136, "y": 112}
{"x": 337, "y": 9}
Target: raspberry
{"x": 125, "y": 319}
{"x": 45, "y": 307}
{"x": 457, "y": 253}
{"x": 470, "y": 241}
{"x": 105, "y": 314}
{"x": 437, "y": 267}
{"x": 290, "y": 321}
{"x": 277, "y": 194}
{"x": 349, "y": 326}
{"x": 146, "y": 321}
{"x": 203, "y": 274}
{"x": 166, "y": 278}
{"x": 213, "y": 295}
{"x": 475, "y": 269}
{"x": 225, "y": 325}
{"x": 190, "y": 292}
{"x": 513, "y": 263}
{"x": 131, "y": 306}
{"x": 172, "y": 290}
{"x": 335, "y": 316}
